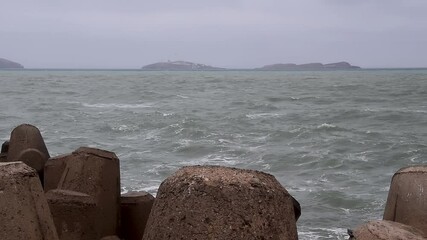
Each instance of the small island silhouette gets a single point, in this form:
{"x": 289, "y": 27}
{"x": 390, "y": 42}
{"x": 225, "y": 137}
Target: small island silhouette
{"x": 190, "y": 66}
{"x": 7, "y": 64}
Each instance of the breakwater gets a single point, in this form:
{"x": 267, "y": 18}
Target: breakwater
{"x": 77, "y": 197}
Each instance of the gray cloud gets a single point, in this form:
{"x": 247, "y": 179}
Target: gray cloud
{"x": 129, "y": 34}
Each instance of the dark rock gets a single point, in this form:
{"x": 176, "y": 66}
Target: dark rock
{"x": 24, "y": 211}
{"x": 406, "y": 202}
{"x": 7, "y": 64}
{"x": 135, "y": 209}
{"x": 212, "y": 202}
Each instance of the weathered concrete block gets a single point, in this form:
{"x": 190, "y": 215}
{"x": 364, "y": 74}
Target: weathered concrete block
{"x": 381, "y": 230}
{"x": 74, "y": 214}
{"x": 24, "y": 211}
{"x": 212, "y": 202}
{"x": 27, "y": 145}
{"x": 53, "y": 170}
{"x": 135, "y": 209}
{"x": 96, "y": 173}
{"x": 406, "y": 202}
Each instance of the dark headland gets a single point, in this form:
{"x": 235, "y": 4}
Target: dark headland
{"x": 7, "y": 64}
{"x": 189, "y": 66}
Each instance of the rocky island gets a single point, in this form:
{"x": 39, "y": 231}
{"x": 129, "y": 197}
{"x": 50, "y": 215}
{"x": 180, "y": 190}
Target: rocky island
{"x": 308, "y": 67}
{"x": 7, "y": 64}
{"x": 179, "y": 66}
{"x": 190, "y": 66}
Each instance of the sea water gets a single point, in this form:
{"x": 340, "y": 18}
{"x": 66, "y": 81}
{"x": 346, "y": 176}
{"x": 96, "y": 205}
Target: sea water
{"x": 333, "y": 139}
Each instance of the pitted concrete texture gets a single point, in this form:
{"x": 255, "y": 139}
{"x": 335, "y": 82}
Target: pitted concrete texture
{"x": 387, "y": 230}
{"x": 407, "y": 197}
{"x": 24, "y": 211}
{"x": 212, "y": 202}
{"x": 96, "y": 173}
{"x": 135, "y": 209}
{"x": 74, "y": 214}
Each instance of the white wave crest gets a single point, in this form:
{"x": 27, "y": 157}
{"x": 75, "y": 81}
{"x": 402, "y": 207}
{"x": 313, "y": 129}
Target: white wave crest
{"x": 116, "y": 105}
{"x": 326, "y": 125}
{"x": 262, "y": 115}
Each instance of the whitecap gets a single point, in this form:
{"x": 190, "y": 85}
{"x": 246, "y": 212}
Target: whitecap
{"x": 212, "y": 159}
{"x": 262, "y": 115}
{"x": 153, "y": 135}
{"x": 319, "y": 233}
{"x": 167, "y": 114}
{"x": 116, "y": 105}
{"x": 326, "y": 125}
{"x": 124, "y": 128}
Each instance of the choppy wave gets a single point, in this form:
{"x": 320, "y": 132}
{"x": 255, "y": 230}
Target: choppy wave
{"x": 333, "y": 139}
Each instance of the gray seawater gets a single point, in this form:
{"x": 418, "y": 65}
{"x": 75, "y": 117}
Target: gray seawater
{"x": 333, "y": 139}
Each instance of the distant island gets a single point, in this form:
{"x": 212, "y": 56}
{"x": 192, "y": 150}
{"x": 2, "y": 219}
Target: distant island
{"x": 179, "y": 66}
{"x": 308, "y": 67}
{"x": 189, "y": 66}
{"x": 7, "y": 64}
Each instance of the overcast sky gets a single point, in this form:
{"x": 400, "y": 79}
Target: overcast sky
{"x": 223, "y": 33}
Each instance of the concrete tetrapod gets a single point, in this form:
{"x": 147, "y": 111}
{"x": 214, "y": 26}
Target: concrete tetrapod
{"x": 54, "y": 169}
{"x": 74, "y": 214}
{"x": 4, "y": 150}
{"x": 88, "y": 174}
{"x": 213, "y": 202}
{"x": 24, "y": 211}
{"x": 135, "y": 209}
{"x": 27, "y": 145}
{"x": 386, "y": 230}
{"x": 406, "y": 201}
